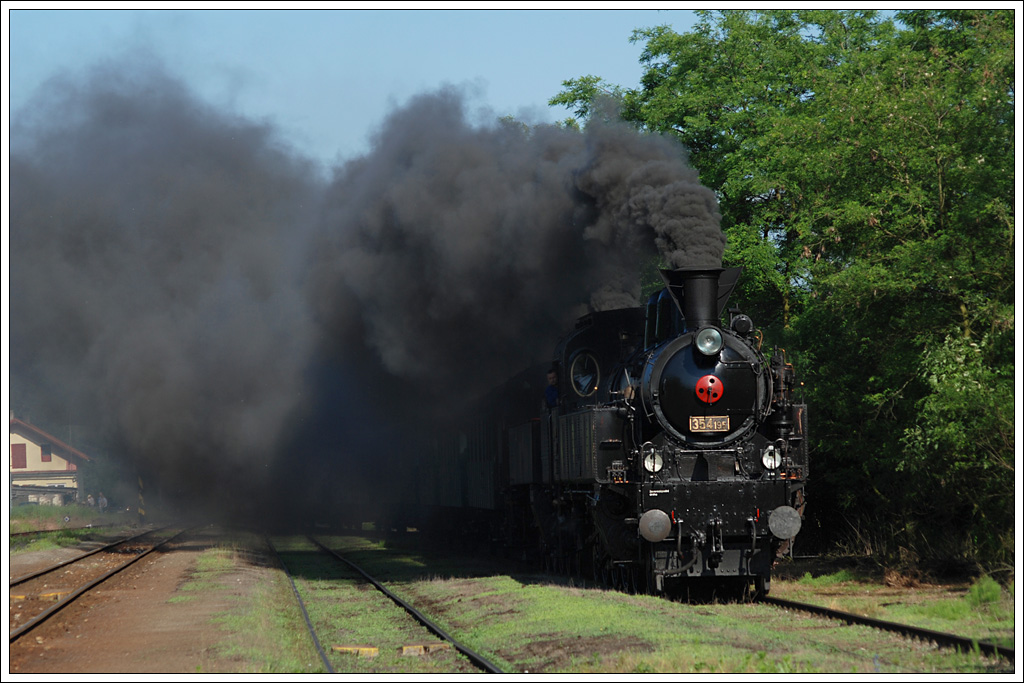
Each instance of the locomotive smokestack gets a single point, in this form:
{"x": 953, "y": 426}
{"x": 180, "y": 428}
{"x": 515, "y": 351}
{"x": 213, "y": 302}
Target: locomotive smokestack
{"x": 701, "y": 293}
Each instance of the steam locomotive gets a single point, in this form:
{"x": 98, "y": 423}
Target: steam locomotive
{"x": 675, "y": 454}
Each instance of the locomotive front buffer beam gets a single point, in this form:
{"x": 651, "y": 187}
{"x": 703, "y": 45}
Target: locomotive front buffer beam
{"x": 720, "y": 547}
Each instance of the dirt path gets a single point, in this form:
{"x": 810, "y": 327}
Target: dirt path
{"x": 131, "y": 625}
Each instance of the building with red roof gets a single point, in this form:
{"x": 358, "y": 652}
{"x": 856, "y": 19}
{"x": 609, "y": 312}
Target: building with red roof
{"x": 43, "y": 469}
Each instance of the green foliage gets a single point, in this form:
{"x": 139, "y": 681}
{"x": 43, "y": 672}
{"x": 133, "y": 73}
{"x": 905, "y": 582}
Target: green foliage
{"x": 963, "y": 441}
{"x": 582, "y": 93}
{"x": 865, "y": 171}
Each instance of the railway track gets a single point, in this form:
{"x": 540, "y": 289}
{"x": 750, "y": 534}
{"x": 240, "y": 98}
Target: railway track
{"x": 348, "y": 613}
{"x": 37, "y": 596}
{"x": 311, "y": 629}
{"x": 46, "y": 570}
{"x": 947, "y": 640}
{"x": 446, "y": 640}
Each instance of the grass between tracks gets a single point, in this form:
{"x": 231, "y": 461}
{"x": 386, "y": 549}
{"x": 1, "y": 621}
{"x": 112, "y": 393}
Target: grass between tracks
{"x": 264, "y": 631}
{"x": 269, "y": 636}
{"x": 525, "y": 621}
{"x": 983, "y": 610}
{"x": 538, "y": 623}
{"x": 348, "y": 613}
{"x": 212, "y": 565}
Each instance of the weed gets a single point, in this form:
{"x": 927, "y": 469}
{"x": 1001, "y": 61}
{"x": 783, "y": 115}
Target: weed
{"x": 985, "y": 591}
{"x": 841, "y": 576}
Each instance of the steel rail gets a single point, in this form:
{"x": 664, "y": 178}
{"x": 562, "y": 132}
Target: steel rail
{"x": 76, "y": 558}
{"x": 477, "y": 659}
{"x": 75, "y": 594}
{"x": 302, "y": 606}
{"x": 948, "y": 640}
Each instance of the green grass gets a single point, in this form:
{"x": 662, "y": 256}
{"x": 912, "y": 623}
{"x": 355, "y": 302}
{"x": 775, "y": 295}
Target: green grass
{"x": 44, "y": 517}
{"x": 211, "y": 567}
{"x": 543, "y": 624}
{"x": 539, "y": 623}
{"x": 983, "y": 610}
{"x": 631, "y": 634}
{"x": 267, "y": 632}
{"x": 842, "y": 576}
{"x": 51, "y": 541}
{"x": 348, "y": 612}
{"x": 58, "y": 533}
{"x": 263, "y": 630}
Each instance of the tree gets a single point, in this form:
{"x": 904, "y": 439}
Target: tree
{"x": 864, "y": 167}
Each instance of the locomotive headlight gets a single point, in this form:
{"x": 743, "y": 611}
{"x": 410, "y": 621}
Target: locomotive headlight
{"x": 653, "y": 461}
{"x": 709, "y": 341}
{"x": 771, "y": 458}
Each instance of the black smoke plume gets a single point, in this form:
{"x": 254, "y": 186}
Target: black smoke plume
{"x": 182, "y": 279}
{"x": 157, "y": 251}
{"x": 462, "y": 248}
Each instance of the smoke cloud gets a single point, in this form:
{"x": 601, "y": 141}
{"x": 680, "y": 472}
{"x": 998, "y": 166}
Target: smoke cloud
{"x": 182, "y": 278}
{"x": 156, "y": 273}
{"x": 465, "y": 247}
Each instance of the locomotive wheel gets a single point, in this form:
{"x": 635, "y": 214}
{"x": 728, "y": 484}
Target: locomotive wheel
{"x": 762, "y": 585}
{"x": 620, "y": 577}
{"x": 647, "y": 578}
{"x": 646, "y": 582}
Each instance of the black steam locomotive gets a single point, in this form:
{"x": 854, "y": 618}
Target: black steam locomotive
{"x": 675, "y": 453}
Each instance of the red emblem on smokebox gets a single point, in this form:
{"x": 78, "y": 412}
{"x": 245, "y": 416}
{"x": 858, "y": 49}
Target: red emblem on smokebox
{"x": 709, "y": 388}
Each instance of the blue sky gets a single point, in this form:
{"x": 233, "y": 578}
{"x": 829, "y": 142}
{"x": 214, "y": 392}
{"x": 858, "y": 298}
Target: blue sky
{"x": 326, "y": 78}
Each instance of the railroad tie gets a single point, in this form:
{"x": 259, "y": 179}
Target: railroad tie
{"x": 360, "y": 650}
{"x": 419, "y": 649}
{"x": 51, "y": 597}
